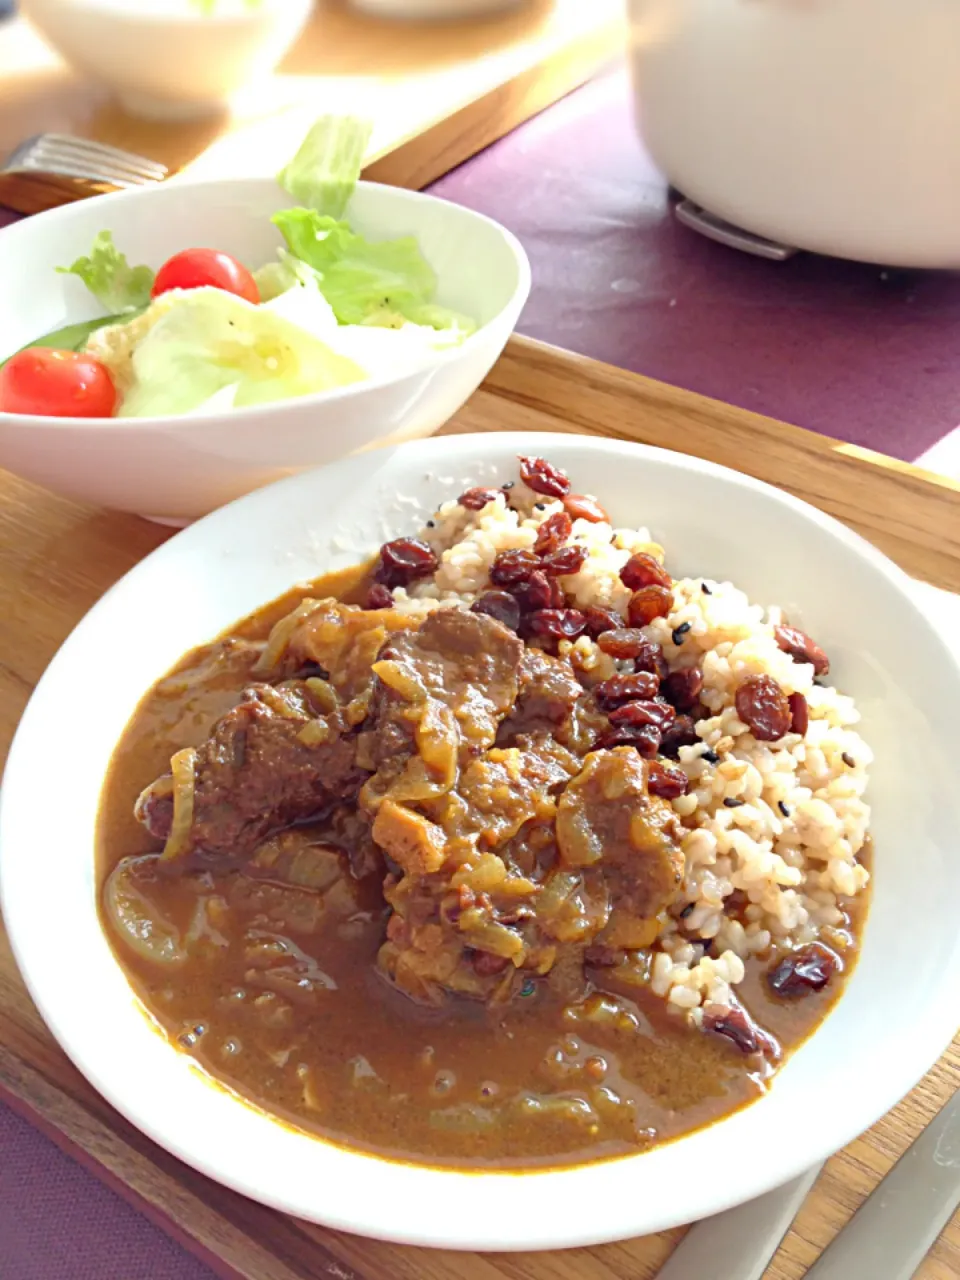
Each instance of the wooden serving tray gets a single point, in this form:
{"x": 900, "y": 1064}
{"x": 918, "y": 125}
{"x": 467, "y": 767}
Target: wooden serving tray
{"x": 57, "y": 558}
{"x": 436, "y": 92}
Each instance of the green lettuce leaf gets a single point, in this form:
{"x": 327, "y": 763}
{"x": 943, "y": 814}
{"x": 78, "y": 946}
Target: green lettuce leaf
{"x": 118, "y": 287}
{"x": 380, "y": 350}
{"x": 358, "y": 278}
{"x": 278, "y": 277}
{"x": 324, "y": 172}
{"x": 211, "y": 341}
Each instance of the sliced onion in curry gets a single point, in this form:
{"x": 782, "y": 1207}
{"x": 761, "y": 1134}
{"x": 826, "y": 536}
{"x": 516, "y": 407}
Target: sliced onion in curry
{"x": 183, "y": 771}
{"x": 136, "y": 919}
{"x": 280, "y": 636}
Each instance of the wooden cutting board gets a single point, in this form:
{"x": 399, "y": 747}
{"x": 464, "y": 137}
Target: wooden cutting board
{"x": 437, "y": 92}
{"x": 57, "y": 558}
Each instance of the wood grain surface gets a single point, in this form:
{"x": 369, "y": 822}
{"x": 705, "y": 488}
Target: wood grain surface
{"x": 57, "y": 558}
{"x": 436, "y": 92}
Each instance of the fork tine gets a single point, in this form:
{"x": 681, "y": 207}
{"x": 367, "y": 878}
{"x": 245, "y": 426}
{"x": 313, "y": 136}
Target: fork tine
{"x": 57, "y": 158}
{"x": 105, "y": 153}
{"x": 66, "y": 168}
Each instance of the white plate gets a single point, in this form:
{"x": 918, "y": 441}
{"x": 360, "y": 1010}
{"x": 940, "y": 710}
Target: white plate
{"x": 897, "y": 1014}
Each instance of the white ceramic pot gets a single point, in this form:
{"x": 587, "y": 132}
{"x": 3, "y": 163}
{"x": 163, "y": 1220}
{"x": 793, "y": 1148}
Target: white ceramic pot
{"x": 433, "y": 8}
{"x": 829, "y": 125}
{"x": 170, "y": 59}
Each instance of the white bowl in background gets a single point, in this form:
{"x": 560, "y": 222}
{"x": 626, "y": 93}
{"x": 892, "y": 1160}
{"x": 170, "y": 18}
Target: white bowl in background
{"x": 896, "y": 1015}
{"x": 418, "y": 9}
{"x": 178, "y": 468}
{"x": 170, "y": 59}
{"x": 826, "y": 126}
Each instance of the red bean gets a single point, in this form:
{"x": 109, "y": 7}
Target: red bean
{"x": 601, "y": 621}
{"x": 627, "y": 688}
{"x": 477, "y": 499}
{"x": 682, "y": 733}
{"x": 802, "y": 649}
{"x": 682, "y": 688}
{"x": 538, "y": 592}
{"x": 764, "y": 708}
{"x": 553, "y": 533}
{"x": 511, "y": 567}
{"x": 623, "y": 642}
{"x": 807, "y": 969}
{"x": 633, "y": 714}
{"x": 404, "y": 560}
{"x": 650, "y": 658}
{"x": 799, "y": 713}
{"x": 500, "y": 605}
{"x": 665, "y": 781}
{"x": 649, "y": 603}
{"x": 644, "y": 570}
{"x": 558, "y": 624}
{"x": 580, "y": 506}
{"x": 567, "y": 560}
{"x": 379, "y": 597}
{"x": 734, "y": 1025}
{"x": 645, "y": 739}
{"x": 543, "y": 477}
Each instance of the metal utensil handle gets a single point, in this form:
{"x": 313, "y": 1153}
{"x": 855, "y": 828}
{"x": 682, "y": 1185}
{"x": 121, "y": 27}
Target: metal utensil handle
{"x": 738, "y": 1244}
{"x": 899, "y": 1222}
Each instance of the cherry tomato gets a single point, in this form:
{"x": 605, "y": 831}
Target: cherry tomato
{"x": 199, "y": 268}
{"x": 56, "y": 384}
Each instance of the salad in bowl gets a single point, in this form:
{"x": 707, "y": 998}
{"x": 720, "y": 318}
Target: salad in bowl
{"x": 206, "y": 333}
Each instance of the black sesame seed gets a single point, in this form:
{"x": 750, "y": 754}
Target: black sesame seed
{"x": 706, "y": 943}
{"x": 431, "y": 524}
{"x": 848, "y": 760}
{"x": 732, "y": 802}
{"x": 540, "y": 506}
{"x": 687, "y": 910}
{"x": 783, "y": 809}
{"x": 679, "y": 633}
{"x": 705, "y": 589}
{"x": 710, "y": 756}
{"x": 507, "y": 484}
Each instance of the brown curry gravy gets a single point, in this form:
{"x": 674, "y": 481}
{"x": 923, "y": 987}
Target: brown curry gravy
{"x": 359, "y": 1064}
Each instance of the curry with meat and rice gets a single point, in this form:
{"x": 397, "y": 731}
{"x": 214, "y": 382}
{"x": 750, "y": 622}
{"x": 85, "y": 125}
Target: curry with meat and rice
{"x": 398, "y": 896}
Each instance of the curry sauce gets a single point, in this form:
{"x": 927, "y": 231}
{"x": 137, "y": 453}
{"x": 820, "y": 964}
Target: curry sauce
{"x": 285, "y": 965}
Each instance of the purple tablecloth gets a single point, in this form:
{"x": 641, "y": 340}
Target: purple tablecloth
{"x": 861, "y": 354}
{"x": 865, "y": 355}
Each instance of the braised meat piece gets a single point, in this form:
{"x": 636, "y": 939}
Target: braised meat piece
{"x": 606, "y": 818}
{"x": 440, "y": 695}
{"x": 548, "y": 694}
{"x": 269, "y": 762}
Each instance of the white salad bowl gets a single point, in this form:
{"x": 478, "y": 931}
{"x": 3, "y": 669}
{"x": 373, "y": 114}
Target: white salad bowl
{"x": 178, "y": 468}
{"x": 895, "y": 1016}
{"x": 171, "y": 59}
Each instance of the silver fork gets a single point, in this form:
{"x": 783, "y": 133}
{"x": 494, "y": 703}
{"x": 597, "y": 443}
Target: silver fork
{"x": 55, "y": 168}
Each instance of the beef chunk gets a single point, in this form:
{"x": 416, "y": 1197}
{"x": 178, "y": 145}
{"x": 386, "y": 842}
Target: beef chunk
{"x": 607, "y": 819}
{"x": 440, "y": 696}
{"x": 268, "y": 763}
{"x": 548, "y": 694}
